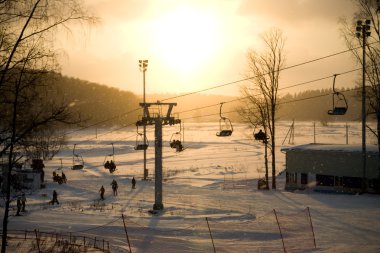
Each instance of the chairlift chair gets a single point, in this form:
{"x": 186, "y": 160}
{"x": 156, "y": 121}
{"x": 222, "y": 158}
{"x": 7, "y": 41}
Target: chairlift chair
{"x": 141, "y": 144}
{"x": 177, "y": 139}
{"x": 56, "y": 177}
{"x": 260, "y": 136}
{"x": 225, "y": 125}
{"x": 111, "y": 166}
{"x": 78, "y": 162}
{"x": 174, "y": 138}
{"x": 339, "y": 102}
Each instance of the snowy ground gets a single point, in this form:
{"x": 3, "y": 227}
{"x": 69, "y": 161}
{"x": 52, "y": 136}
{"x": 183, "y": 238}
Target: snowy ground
{"x": 213, "y": 177}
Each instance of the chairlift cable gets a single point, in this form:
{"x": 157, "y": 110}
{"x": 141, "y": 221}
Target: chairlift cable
{"x": 249, "y": 78}
{"x": 291, "y": 86}
{"x": 137, "y": 109}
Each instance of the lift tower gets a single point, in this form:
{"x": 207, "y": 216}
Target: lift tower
{"x": 153, "y": 115}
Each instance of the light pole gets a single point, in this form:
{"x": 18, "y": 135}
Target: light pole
{"x": 143, "y": 64}
{"x": 363, "y": 31}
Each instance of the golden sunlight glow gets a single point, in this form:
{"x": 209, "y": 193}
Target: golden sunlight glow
{"x": 186, "y": 38}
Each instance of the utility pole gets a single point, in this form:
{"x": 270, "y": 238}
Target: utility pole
{"x": 363, "y": 30}
{"x": 143, "y": 64}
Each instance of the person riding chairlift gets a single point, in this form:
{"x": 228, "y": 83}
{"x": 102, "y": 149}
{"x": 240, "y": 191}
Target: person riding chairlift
{"x": 261, "y": 136}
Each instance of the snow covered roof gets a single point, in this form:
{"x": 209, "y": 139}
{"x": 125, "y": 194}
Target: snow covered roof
{"x": 332, "y": 147}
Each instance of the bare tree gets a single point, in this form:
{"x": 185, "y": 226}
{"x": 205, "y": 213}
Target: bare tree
{"x": 367, "y": 9}
{"x": 261, "y": 104}
{"x": 27, "y": 57}
{"x": 45, "y": 144}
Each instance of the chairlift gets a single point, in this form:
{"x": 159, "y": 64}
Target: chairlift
{"x": 141, "y": 142}
{"x": 78, "y": 162}
{"x": 339, "y": 102}
{"x": 110, "y": 164}
{"x": 225, "y": 125}
{"x": 260, "y": 136}
{"x": 177, "y": 139}
{"x": 60, "y": 179}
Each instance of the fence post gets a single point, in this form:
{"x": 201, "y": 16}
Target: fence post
{"x": 126, "y": 233}
{"x": 95, "y": 243}
{"x": 25, "y": 234}
{"x": 209, "y": 230}
{"x": 312, "y": 228}
{"x": 346, "y": 134}
{"x": 38, "y": 241}
{"x": 314, "y": 132}
{"x": 103, "y": 245}
{"x": 84, "y": 243}
{"x": 278, "y": 224}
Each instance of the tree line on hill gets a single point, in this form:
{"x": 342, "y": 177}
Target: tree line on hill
{"x": 105, "y": 106}
{"x": 313, "y": 105}
{"x": 95, "y": 104}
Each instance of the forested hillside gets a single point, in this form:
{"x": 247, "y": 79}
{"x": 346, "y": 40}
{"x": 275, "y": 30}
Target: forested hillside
{"x": 106, "y": 106}
{"x": 314, "y": 104}
{"x": 97, "y": 104}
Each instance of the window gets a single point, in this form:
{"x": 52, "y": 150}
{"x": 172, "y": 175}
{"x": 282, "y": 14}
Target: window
{"x": 325, "y": 180}
{"x": 338, "y": 181}
{"x": 303, "y": 178}
{"x": 291, "y": 177}
{"x": 352, "y": 182}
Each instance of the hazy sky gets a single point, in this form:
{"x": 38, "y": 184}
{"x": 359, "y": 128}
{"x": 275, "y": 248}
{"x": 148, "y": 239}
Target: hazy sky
{"x": 196, "y": 44}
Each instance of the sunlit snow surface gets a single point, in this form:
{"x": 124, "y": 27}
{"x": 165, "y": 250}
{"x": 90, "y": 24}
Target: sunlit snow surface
{"x": 214, "y": 177}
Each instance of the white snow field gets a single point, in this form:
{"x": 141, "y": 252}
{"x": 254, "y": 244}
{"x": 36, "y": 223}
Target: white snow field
{"x": 213, "y": 178}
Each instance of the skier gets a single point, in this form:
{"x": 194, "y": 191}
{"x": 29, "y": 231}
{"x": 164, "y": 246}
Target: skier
{"x": 55, "y": 198}
{"x": 133, "y": 183}
{"x": 102, "y": 192}
{"x": 114, "y": 187}
{"x": 23, "y": 202}
{"x": 18, "y": 206}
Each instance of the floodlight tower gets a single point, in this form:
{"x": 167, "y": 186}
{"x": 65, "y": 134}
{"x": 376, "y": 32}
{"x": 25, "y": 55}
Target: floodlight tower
{"x": 363, "y": 31}
{"x": 143, "y": 64}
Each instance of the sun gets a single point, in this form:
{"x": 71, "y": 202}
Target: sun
{"x": 186, "y": 38}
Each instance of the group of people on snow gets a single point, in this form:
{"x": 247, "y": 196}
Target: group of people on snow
{"x": 21, "y": 200}
{"x": 114, "y": 187}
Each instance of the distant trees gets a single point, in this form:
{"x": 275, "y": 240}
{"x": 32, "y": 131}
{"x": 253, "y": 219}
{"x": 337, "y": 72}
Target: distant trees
{"x": 97, "y": 104}
{"x": 367, "y": 9}
{"x": 45, "y": 144}
{"x": 27, "y": 56}
{"x": 261, "y": 103}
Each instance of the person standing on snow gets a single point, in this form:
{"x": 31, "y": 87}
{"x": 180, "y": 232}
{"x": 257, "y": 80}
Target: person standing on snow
{"x": 55, "y": 198}
{"x": 133, "y": 183}
{"x": 102, "y": 192}
{"x": 23, "y": 202}
{"x": 114, "y": 187}
{"x": 18, "y": 206}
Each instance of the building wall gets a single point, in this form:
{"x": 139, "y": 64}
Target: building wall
{"x": 335, "y": 163}
{"x": 335, "y": 170}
